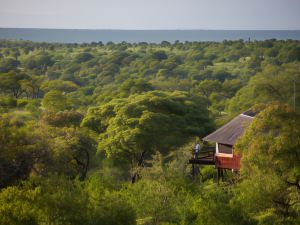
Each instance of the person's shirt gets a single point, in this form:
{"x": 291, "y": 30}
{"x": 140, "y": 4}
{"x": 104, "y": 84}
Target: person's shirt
{"x": 197, "y": 148}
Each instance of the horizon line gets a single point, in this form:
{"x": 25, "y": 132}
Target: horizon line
{"x": 158, "y": 29}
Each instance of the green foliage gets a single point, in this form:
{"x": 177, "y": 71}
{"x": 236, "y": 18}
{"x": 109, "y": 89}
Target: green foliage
{"x": 107, "y": 206}
{"x": 8, "y": 64}
{"x": 142, "y": 106}
{"x": 63, "y": 118}
{"x": 20, "y": 147}
{"x": 11, "y": 83}
{"x": 39, "y": 62}
{"x": 64, "y": 86}
{"x": 31, "y": 87}
{"x": 271, "y": 166}
{"x": 71, "y": 150}
{"x": 156, "y": 121}
{"x": 131, "y": 86}
{"x": 159, "y": 55}
{"x": 83, "y": 57}
{"x": 274, "y": 83}
{"x": 214, "y": 207}
{"x": 57, "y": 200}
{"x": 159, "y": 199}
{"x": 8, "y": 102}
{"x": 207, "y": 87}
{"x": 16, "y": 206}
{"x": 55, "y": 101}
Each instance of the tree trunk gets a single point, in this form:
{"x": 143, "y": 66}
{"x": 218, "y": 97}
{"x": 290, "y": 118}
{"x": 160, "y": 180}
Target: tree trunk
{"x": 140, "y": 165}
{"x": 83, "y": 165}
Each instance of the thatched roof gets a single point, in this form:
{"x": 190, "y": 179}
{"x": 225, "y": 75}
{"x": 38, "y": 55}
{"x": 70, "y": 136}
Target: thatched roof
{"x": 230, "y": 132}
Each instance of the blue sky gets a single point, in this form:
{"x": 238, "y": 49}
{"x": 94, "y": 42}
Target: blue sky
{"x": 151, "y": 14}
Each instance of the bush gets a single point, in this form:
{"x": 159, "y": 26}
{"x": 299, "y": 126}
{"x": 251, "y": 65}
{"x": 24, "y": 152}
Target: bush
{"x": 63, "y": 118}
{"x": 22, "y": 102}
{"x": 8, "y": 102}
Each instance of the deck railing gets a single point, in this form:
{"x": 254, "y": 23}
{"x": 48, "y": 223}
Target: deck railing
{"x": 208, "y": 152}
{"x": 205, "y": 157}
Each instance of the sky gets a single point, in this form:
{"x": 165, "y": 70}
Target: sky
{"x": 151, "y": 14}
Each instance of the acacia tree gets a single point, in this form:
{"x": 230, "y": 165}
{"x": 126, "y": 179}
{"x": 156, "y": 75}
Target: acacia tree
{"x": 55, "y": 101}
{"x": 31, "y": 86}
{"x": 271, "y": 166}
{"x": 21, "y": 147}
{"x": 133, "y": 128}
{"x": 11, "y": 83}
{"x": 64, "y": 86}
{"x": 71, "y": 151}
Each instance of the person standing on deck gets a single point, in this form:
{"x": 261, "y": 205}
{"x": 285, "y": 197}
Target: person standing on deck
{"x": 196, "y": 151}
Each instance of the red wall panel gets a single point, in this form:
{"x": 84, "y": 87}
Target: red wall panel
{"x": 228, "y": 162}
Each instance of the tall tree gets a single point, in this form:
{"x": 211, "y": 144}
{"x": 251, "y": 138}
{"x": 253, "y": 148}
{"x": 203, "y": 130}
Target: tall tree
{"x": 133, "y": 128}
{"x": 271, "y": 166}
{"x": 55, "y": 101}
{"x": 11, "y": 83}
{"x": 21, "y": 147}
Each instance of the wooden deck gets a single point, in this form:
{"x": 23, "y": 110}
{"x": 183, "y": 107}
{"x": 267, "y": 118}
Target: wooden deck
{"x": 206, "y": 157}
{"x": 203, "y": 161}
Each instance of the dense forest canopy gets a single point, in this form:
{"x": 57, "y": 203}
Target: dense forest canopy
{"x": 99, "y": 133}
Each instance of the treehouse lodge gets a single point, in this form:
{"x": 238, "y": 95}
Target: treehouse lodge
{"x": 223, "y": 155}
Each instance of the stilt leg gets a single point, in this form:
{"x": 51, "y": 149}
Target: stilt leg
{"x": 222, "y": 174}
{"x": 193, "y": 171}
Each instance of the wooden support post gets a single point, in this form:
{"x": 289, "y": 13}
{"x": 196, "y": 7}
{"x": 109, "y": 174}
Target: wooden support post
{"x": 221, "y": 174}
{"x": 193, "y": 170}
